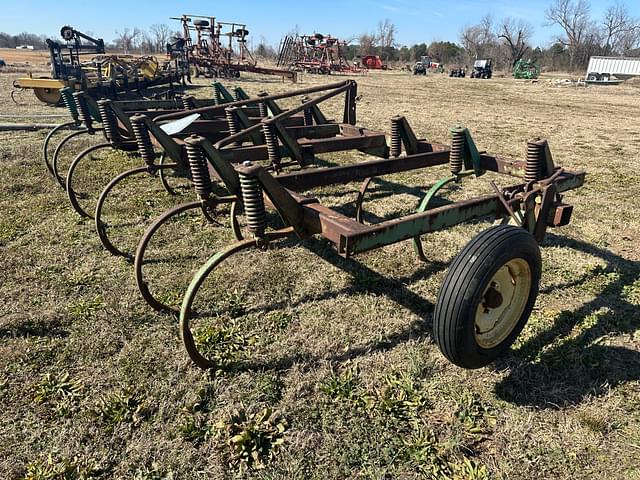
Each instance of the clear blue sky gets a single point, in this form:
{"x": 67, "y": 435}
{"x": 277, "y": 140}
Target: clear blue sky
{"x": 417, "y": 21}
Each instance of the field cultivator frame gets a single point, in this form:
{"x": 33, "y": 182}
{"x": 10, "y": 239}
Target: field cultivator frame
{"x": 504, "y": 284}
{"x": 234, "y": 155}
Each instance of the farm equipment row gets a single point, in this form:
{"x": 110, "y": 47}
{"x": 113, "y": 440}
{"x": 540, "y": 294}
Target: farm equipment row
{"x": 261, "y": 162}
{"x": 218, "y": 50}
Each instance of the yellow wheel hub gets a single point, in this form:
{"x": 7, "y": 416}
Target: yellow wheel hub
{"x": 48, "y": 95}
{"x": 502, "y": 303}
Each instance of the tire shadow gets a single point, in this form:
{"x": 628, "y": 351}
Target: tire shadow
{"x": 554, "y": 368}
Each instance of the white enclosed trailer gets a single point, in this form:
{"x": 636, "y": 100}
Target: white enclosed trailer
{"x": 601, "y": 69}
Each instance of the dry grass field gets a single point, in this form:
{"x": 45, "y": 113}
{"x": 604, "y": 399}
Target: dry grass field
{"x": 328, "y": 368}
{"x": 35, "y": 58}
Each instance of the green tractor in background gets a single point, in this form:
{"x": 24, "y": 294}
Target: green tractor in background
{"x": 526, "y": 69}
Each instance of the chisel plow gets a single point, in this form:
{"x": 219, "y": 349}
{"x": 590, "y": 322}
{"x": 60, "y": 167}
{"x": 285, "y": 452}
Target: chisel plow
{"x": 490, "y": 287}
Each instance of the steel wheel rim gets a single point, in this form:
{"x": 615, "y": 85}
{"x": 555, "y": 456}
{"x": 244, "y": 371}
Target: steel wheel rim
{"x": 502, "y": 303}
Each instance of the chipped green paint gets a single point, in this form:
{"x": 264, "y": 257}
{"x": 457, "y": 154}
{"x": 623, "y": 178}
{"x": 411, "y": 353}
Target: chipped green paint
{"x": 437, "y": 219}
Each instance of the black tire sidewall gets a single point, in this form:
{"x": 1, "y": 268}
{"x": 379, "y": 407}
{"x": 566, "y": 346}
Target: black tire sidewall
{"x": 469, "y": 289}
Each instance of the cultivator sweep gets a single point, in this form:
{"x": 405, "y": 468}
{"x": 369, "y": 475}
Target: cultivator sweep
{"x": 220, "y": 49}
{"x": 315, "y": 53}
{"x": 258, "y": 158}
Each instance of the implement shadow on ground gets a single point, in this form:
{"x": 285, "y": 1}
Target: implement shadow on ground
{"x": 365, "y": 280}
{"x": 16, "y": 326}
{"x": 582, "y": 365}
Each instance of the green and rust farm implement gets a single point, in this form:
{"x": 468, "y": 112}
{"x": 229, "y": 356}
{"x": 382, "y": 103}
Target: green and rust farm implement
{"x": 491, "y": 286}
{"x": 261, "y": 162}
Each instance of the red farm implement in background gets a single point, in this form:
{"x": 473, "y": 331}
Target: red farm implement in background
{"x": 315, "y": 53}
{"x": 220, "y": 49}
{"x": 373, "y": 62}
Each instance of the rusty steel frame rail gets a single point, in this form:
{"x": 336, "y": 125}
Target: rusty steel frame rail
{"x": 275, "y": 97}
{"x": 290, "y": 126}
{"x": 351, "y": 237}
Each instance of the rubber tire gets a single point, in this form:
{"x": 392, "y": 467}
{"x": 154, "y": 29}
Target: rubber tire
{"x": 466, "y": 280}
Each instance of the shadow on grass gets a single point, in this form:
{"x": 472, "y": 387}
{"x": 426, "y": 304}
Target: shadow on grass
{"x": 551, "y": 370}
{"x": 557, "y": 369}
{"x": 365, "y": 280}
{"x": 32, "y": 328}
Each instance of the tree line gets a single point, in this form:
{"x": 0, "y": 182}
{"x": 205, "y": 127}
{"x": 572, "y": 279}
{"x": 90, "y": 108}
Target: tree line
{"x": 127, "y": 40}
{"x": 508, "y": 40}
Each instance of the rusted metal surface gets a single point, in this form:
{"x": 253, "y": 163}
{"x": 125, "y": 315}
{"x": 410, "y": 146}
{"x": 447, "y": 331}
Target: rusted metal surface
{"x": 312, "y": 178}
{"x": 261, "y": 99}
{"x": 435, "y": 219}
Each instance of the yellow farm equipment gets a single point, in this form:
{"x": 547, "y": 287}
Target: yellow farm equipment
{"x": 103, "y": 75}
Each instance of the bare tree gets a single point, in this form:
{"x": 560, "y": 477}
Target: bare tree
{"x": 386, "y": 37}
{"x": 126, "y": 40}
{"x": 516, "y": 35}
{"x": 147, "y": 43}
{"x": 630, "y": 40}
{"x": 161, "y": 33}
{"x": 574, "y": 19}
{"x": 478, "y": 40}
{"x": 264, "y": 50}
{"x": 386, "y": 34}
{"x": 367, "y": 43}
{"x": 619, "y": 29}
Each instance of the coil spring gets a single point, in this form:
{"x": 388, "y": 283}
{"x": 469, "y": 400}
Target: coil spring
{"x": 69, "y": 102}
{"x": 199, "y": 168}
{"x": 188, "y": 102}
{"x": 233, "y": 123}
{"x": 308, "y": 117}
{"x": 262, "y": 108}
{"x": 83, "y": 110}
{"x": 396, "y": 141}
{"x": 456, "y": 155}
{"x": 536, "y": 152}
{"x": 143, "y": 139}
{"x": 253, "y": 201}
{"x": 308, "y": 113}
{"x": 273, "y": 147}
{"x": 108, "y": 120}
